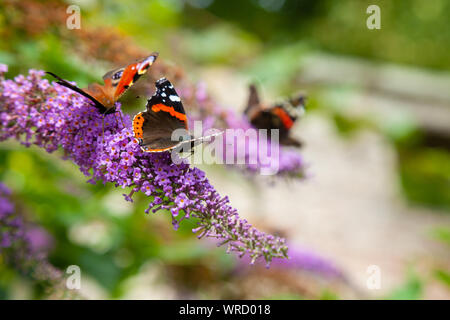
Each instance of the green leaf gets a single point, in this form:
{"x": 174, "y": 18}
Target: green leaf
{"x": 443, "y": 276}
{"x": 411, "y": 290}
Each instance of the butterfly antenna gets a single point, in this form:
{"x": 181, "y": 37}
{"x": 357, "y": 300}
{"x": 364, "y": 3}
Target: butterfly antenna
{"x": 200, "y": 139}
{"x": 189, "y": 155}
{"x": 62, "y": 82}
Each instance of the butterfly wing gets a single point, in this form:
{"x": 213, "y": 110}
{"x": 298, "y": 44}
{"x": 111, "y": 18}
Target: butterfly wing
{"x": 116, "y": 82}
{"x": 265, "y": 119}
{"x": 295, "y": 106}
{"x": 101, "y": 108}
{"x": 283, "y": 117}
{"x": 253, "y": 97}
{"x": 123, "y": 78}
{"x": 253, "y": 104}
{"x": 167, "y": 99}
{"x": 276, "y": 118}
{"x": 165, "y": 113}
{"x": 290, "y": 141}
{"x": 259, "y": 117}
{"x": 298, "y": 101}
{"x": 154, "y": 130}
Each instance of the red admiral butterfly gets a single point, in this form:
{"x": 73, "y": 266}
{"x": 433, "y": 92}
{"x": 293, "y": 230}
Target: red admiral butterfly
{"x": 116, "y": 83}
{"x": 281, "y": 116}
{"x": 153, "y": 128}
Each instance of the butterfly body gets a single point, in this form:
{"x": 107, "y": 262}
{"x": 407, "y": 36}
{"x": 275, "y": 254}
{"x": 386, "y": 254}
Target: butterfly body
{"x": 164, "y": 114}
{"x": 116, "y": 82}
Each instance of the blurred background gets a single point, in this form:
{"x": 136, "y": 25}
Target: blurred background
{"x": 376, "y": 142}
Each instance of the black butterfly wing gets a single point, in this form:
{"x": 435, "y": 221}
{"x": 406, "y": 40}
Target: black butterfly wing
{"x": 165, "y": 94}
{"x": 165, "y": 114}
{"x": 253, "y": 97}
{"x": 154, "y": 130}
{"x": 298, "y": 101}
{"x": 253, "y": 103}
{"x": 287, "y": 140}
{"x": 264, "y": 119}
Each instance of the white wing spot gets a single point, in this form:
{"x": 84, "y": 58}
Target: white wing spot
{"x": 174, "y": 98}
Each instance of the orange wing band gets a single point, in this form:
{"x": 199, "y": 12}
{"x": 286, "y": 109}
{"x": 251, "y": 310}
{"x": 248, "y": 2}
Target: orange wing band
{"x": 138, "y": 121}
{"x": 158, "y": 107}
{"x": 287, "y": 121}
{"x": 158, "y": 150}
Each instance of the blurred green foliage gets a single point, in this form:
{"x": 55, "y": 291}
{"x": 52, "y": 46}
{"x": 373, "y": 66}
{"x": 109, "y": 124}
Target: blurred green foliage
{"x": 443, "y": 276}
{"x": 442, "y": 234}
{"x": 412, "y": 32}
{"x": 425, "y": 176}
{"x": 411, "y": 290}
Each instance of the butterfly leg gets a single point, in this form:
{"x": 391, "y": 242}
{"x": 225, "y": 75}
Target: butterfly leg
{"x": 103, "y": 129}
{"x": 190, "y": 153}
{"x": 117, "y": 122}
{"x": 121, "y": 119}
{"x": 184, "y": 158}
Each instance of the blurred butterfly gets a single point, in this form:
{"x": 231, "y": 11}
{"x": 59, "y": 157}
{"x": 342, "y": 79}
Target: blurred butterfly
{"x": 116, "y": 82}
{"x": 164, "y": 114}
{"x": 281, "y": 116}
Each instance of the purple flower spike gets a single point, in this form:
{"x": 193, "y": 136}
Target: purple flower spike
{"x": 301, "y": 259}
{"x": 25, "y": 247}
{"x": 3, "y": 68}
{"x": 10, "y": 226}
{"x": 51, "y": 116}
